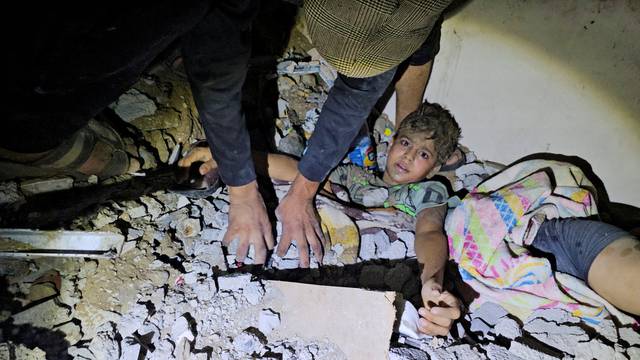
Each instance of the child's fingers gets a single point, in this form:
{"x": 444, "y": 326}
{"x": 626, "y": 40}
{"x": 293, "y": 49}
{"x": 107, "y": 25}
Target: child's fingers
{"x": 448, "y": 299}
{"x": 436, "y": 317}
{"x": 197, "y": 154}
{"x": 451, "y": 313}
{"x": 206, "y": 167}
{"x": 430, "y": 328}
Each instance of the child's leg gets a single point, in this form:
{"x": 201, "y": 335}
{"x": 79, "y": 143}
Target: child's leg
{"x": 606, "y": 257}
{"x": 615, "y": 274}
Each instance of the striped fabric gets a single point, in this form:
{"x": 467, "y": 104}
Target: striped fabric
{"x": 363, "y": 38}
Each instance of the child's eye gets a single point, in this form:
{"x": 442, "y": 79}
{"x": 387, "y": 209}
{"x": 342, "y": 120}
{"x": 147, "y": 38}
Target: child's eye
{"x": 404, "y": 142}
{"x": 424, "y": 155}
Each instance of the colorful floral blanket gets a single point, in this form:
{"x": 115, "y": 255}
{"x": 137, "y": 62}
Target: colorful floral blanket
{"x": 489, "y": 230}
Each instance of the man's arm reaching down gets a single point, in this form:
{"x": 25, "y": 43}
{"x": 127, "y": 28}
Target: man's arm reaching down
{"x": 440, "y": 308}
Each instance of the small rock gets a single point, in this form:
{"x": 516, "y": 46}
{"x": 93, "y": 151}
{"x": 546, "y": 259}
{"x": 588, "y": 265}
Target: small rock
{"x": 367, "y": 247}
{"x": 104, "y": 217}
{"x": 188, "y": 228}
{"x": 479, "y": 325}
{"x": 309, "y": 80}
{"x": 154, "y": 208}
{"x": 247, "y": 343}
{"x": 508, "y": 328}
{"x": 46, "y": 315}
{"x": 80, "y": 353}
{"x": 496, "y": 352}
{"x": 630, "y": 336}
{"x": 253, "y": 292}
{"x": 268, "y": 320}
{"x": 181, "y": 330}
{"x": 594, "y": 349}
{"x": 205, "y": 290}
{"x": 133, "y": 234}
{"x": 73, "y": 332}
{"x": 10, "y": 196}
{"x": 104, "y": 345}
{"x": 396, "y": 251}
{"x": 132, "y": 105}
{"x": 292, "y": 144}
{"x": 490, "y": 313}
{"x": 130, "y": 350}
{"x": 234, "y": 282}
{"x": 148, "y": 159}
{"x": 211, "y": 234}
{"x": 562, "y": 337}
{"x": 182, "y": 202}
{"x": 137, "y": 212}
{"x": 633, "y": 352}
{"x": 526, "y": 352}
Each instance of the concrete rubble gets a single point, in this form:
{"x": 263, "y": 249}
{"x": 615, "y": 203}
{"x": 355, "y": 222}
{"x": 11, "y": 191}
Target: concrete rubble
{"x": 175, "y": 292}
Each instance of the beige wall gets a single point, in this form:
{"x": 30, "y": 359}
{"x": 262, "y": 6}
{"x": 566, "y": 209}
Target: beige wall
{"x": 547, "y": 76}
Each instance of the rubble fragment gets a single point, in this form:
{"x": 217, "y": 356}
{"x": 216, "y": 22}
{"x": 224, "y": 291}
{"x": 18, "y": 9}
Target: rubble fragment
{"x": 40, "y": 186}
{"x": 132, "y": 105}
{"x": 268, "y": 320}
{"x": 10, "y": 196}
{"x": 233, "y": 282}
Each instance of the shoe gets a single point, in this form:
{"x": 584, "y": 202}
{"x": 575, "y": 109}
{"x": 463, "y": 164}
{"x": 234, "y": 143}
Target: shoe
{"x": 96, "y": 149}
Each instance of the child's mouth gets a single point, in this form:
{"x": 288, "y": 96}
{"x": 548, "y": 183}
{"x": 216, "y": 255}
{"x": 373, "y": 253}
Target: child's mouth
{"x": 401, "y": 168}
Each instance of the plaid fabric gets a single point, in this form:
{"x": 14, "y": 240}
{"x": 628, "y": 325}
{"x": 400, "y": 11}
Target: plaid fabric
{"x": 363, "y": 38}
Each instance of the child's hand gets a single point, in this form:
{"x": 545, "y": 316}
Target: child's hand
{"x": 440, "y": 310}
{"x": 202, "y": 154}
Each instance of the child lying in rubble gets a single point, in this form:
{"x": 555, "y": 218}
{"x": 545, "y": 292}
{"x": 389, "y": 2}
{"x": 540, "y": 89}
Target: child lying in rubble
{"x": 588, "y": 250}
{"x": 424, "y": 141}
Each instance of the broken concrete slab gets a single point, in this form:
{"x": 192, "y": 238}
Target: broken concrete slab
{"x": 61, "y": 243}
{"x": 360, "y": 327}
{"x": 40, "y": 186}
{"x": 46, "y": 314}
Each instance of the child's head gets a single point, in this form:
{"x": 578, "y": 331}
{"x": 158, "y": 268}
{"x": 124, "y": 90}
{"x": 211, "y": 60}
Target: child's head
{"x": 424, "y": 141}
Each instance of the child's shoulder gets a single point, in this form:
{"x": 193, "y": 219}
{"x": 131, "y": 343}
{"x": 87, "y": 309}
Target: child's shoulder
{"x": 415, "y": 197}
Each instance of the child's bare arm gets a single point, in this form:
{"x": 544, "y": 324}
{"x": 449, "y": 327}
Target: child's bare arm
{"x": 441, "y": 308}
{"x": 431, "y": 243}
{"x": 275, "y": 166}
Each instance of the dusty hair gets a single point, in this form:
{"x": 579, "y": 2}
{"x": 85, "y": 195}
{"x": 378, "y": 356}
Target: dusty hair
{"x": 437, "y": 124}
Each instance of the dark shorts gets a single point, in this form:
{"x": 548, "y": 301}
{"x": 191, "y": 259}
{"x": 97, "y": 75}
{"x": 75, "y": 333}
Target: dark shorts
{"x": 575, "y": 243}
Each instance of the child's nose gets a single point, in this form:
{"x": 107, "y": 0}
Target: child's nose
{"x": 410, "y": 154}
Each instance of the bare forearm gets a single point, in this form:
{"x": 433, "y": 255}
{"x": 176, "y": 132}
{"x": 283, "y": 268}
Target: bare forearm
{"x": 276, "y": 166}
{"x": 431, "y": 251}
{"x": 410, "y": 90}
{"x": 279, "y": 167}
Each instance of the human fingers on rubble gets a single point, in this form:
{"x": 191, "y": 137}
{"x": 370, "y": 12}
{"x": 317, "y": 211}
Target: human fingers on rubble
{"x": 300, "y": 223}
{"x": 199, "y": 154}
{"x": 248, "y": 223}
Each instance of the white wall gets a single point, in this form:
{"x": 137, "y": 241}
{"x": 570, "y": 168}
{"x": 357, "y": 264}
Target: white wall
{"x": 546, "y": 76}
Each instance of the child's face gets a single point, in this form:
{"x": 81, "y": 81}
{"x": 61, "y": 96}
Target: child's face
{"x": 411, "y": 158}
